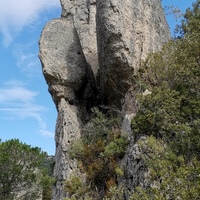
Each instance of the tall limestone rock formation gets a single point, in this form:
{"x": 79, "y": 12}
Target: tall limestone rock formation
{"x": 83, "y": 14}
{"x": 68, "y": 75}
{"x": 126, "y": 32}
{"x": 88, "y": 58}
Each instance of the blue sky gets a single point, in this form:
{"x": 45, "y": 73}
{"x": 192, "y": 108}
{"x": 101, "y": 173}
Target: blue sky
{"x": 27, "y": 111}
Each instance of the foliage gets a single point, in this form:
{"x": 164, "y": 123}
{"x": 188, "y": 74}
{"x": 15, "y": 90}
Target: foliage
{"x": 48, "y": 180}
{"x": 48, "y": 164}
{"x": 170, "y": 116}
{"x": 158, "y": 111}
{"x": 191, "y": 22}
{"x": 98, "y": 151}
{"x": 174, "y": 11}
{"x": 171, "y": 176}
{"x": 172, "y": 111}
{"x": 46, "y": 183}
{"x": 75, "y": 187}
{"x": 21, "y": 176}
{"x": 114, "y": 193}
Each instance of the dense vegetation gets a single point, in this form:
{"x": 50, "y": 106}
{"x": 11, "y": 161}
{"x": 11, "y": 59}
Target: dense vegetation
{"x": 169, "y": 119}
{"x": 170, "y": 116}
{"x": 23, "y": 172}
{"x": 98, "y": 152}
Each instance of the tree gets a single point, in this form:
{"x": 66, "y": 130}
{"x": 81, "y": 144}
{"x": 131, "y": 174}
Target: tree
{"x": 169, "y": 117}
{"x": 47, "y": 179}
{"x": 21, "y": 175}
{"x": 173, "y": 76}
{"x": 170, "y": 176}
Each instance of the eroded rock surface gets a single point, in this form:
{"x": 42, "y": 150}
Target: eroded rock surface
{"x": 63, "y": 62}
{"x": 98, "y": 43}
{"x": 66, "y": 72}
{"x": 126, "y": 31}
{"x": 83, "y": 14}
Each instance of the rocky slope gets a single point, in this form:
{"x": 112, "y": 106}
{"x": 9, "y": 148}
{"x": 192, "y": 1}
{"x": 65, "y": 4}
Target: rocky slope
{"x": 88, "y": 59}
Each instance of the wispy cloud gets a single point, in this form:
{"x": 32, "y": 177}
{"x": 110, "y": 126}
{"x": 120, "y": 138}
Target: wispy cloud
{"x": 46, "y": 134}
{"x": 19, "y": 103}
{"x": 14, "y": 15}
{"x": 15, "y": 91}
{"x": 27, "y": 59}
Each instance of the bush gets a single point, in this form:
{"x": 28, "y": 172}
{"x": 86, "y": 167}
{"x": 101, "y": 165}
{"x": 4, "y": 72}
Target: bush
{"x": 170, "y": 116}
{"x": 99, "y": 151}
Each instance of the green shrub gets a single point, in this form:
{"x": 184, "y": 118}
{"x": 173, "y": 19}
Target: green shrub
{"x": 99, "y": 151}
{"x": 171, "y": 177}
{"x": 169, "y": 117}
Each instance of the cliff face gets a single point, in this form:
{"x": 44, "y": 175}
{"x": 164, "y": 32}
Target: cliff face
{"x": 88, "y": 58}
{"x": 126, "y": 31}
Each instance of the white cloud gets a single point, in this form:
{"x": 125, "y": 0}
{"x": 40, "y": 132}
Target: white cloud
{"x": 16, "y": 93}
{"x": 14, "y": 15}
{"x": 43, "y": 128}
{"x": 46, "y": 134}
{"x": 19, "y": 103}
{"x": 27, "y": 59}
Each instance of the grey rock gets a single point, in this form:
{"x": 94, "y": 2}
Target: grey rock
{"x": 98, "y": 42}
{"x": 67, "y": 130}
{"x": 65, "y": 70}
{"x": 83, "y": 15}
{"x": 126, "y": 32}
{"x": 63, "y": 62}
{"x": 136, "y": 172}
